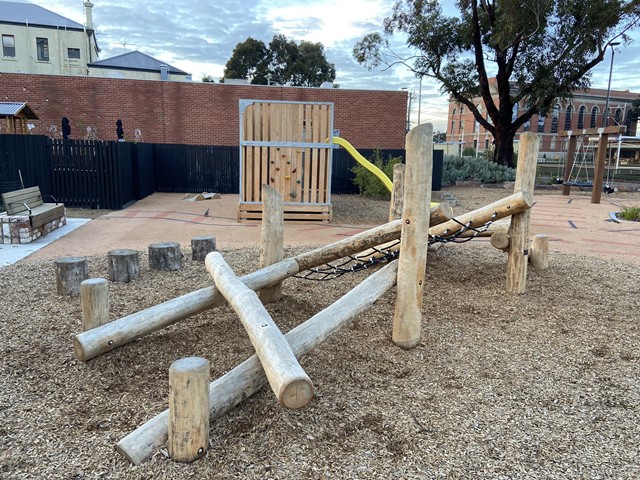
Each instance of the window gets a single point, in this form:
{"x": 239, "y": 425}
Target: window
{"x": 8, "y": 46}
{"x": 567, "y": 117}
{"x": 618, "y": 116}
{"x": 73, "y": 53}
{"x": 453, "y": 126}
{"x": 594, "y": 116}
{"x": 554, "y": 119}
{"x": 541, "y": 119}
{"x": 42, "y": 49}
{"x": 581, "y": 113}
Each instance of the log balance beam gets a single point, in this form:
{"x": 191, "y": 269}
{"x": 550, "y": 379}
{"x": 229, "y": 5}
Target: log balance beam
{"x": 289, "y": 382}
{"x": 247, "y": 378}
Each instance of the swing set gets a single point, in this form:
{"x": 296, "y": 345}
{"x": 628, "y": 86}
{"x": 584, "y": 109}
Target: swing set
{"x": 580, "y": 144}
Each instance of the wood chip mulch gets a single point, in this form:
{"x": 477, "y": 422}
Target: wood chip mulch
{"x": 539, "y": 385}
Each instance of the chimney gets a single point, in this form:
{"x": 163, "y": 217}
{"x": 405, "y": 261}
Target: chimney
{"x": 88, "y": 12}
{"x": 164, "y": 72}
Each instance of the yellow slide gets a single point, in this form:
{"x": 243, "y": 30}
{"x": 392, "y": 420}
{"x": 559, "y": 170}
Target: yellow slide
{"x": 367, "y": 164}
{"x": 364, "y": 162}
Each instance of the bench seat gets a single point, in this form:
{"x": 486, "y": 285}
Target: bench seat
{"x": 27, "y": 217}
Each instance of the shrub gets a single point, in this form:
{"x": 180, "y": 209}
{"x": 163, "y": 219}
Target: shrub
{"x": 368, "y": 183}
{"x": 631, "y": 214}
{"x": 457, "y": 169}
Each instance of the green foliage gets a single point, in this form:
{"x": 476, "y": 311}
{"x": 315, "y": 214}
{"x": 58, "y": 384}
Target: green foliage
{"x": 368, "y": 183}
{"x": 439, "y": 137}
{"x": 539, "y": 52}
{"x": 631, "y": 214}
{"x": 469, "y": 152}
{"x": 282, "y": 62}
{"x": 457, "y": 169}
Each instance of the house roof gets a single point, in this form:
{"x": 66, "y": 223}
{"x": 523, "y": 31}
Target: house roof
{"x": 31, "y": 14}
{"x": 12, "y": 109}
{"x": 135, "y": 61}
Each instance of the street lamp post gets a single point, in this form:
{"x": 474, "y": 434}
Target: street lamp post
{"x": 606, "y": 104}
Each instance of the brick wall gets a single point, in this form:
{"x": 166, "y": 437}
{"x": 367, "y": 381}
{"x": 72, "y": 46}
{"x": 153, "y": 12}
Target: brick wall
{"x": 194, "y": 113}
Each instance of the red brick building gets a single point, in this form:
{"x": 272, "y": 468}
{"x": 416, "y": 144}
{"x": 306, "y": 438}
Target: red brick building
{"x": 584, "y": 110}
{"x": 193, "y": 113}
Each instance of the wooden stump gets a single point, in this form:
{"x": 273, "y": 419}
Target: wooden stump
{"x": 94, "y": 297}
{"x": 124, "y": 265}
{"x": 70, "y": 272}
{"x": 201, "y": 246}
{"x": 188, "y": 409}
{"x": 539, "y": 252}
{"x": 165, "y": 256}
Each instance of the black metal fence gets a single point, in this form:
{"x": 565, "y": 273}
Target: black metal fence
{"x": 111, "y": 175}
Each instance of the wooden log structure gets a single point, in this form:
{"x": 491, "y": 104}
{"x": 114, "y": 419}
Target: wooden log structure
{"x": 124, "y": 265}
{"x": 70, "y": 273}
{"x": 247, "y": 378}
{"x": 88, "y": 345}
{"x": 502, "y": 208}
{"x": 289, "y": 382}
{"x": 201, "y": 247}
{"x": 165, "y": 256}
{"x": 94, "y": 299}
{"x": 407, "y": 319}
{"x": 271, "y": 238}
{"x": 539, "y": 252}
{"x": 396, "y": 205}
{"x": 500, "y": 240}
{"x": 519, "y": 228}
{"x": 188, "y": 429}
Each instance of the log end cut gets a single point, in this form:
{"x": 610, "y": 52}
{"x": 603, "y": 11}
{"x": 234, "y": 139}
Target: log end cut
{"x": 297, "y": 393}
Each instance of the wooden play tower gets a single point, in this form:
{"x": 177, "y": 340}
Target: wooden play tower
{"x": 286, "y": 145}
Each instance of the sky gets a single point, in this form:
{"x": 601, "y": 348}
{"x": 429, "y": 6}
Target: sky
{"x": 199, "y": 37}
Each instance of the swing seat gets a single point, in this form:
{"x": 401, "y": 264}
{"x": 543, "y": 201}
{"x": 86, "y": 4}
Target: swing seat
{"x": 578, "y": 184}
{"x": 608, "y": 188}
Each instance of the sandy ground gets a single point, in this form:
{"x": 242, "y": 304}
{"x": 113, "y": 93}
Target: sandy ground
{"x": 539, "y": 385}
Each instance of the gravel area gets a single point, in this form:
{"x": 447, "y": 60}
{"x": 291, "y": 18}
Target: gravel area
{"x": 539, "y": 385}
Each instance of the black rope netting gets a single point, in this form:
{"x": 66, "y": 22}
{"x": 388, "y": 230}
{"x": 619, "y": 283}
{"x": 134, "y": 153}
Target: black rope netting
{"x": 388, "y": 253}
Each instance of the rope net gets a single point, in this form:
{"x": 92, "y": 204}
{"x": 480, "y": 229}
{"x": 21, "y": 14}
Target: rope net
{"x": 389, "y": 252}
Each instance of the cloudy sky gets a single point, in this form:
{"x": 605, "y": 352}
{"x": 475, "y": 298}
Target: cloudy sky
{"x": 199, "y": 36}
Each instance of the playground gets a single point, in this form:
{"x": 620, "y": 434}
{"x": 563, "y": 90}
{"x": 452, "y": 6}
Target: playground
{"x": 538, "y": 385}
{"x": 480, "y": 367}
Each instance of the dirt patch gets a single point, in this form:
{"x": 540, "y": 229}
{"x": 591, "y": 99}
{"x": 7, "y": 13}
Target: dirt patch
{"x": 539, "y": 385}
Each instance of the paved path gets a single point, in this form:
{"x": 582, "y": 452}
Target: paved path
{"x": 573, "y": 224}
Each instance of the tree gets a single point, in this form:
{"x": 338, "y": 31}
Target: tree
{"x": 539, "y": 51}
{"x": 248, "y": 60}
{"x": 439, "y": 137}
{"x": 283, "y": 62}
{"x": 208, "y": 79}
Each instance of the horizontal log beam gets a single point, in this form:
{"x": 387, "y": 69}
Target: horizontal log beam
{"x": 88, "y": 345}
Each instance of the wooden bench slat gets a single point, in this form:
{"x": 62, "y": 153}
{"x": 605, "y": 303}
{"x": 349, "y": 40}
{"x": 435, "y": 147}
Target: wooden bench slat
{"x": 14, "y": 201}
{"x": 45, "y": 214}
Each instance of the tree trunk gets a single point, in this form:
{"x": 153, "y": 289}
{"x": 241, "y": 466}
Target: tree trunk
{"x": 503, "y": 154}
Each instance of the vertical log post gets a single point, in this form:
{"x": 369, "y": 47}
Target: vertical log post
{"x": 165, "y": 256}
{"x": 124, "y": 265}
{"x": 397, "y": 194}
{"x": 598, "y": 174}
{"x": 414, "y": 238}
{"x": 188, "y": 409}
{"x": 70, "y": 273}
{"x": 201, "y": 247}
{"x": 94, "y": 298}
{"x": 519, "y": 227}
{"x": 272, "y": 238}
{"x": 568, "y": 163}
{"x": 539, "y": 252}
